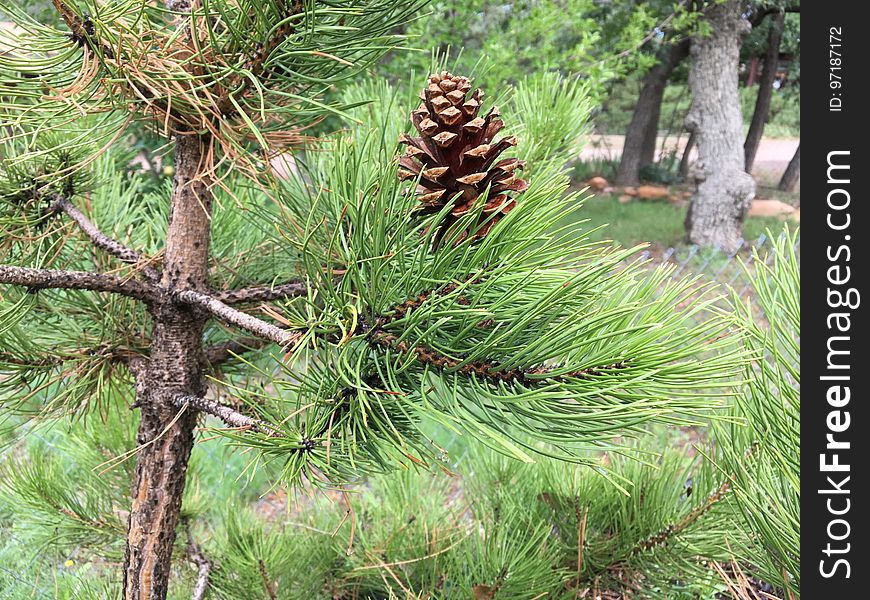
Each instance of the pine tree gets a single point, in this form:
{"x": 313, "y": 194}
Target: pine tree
{"x": 325, "y": 319}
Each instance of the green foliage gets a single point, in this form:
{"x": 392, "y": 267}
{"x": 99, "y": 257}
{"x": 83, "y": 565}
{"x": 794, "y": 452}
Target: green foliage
{"x": 636, "y": 222}
{"x": 503, "y": 43}
{"x": 575, "y": 345}
{"x": 533, "y": 344}
{"x": 495, "y": 525}
{"x": 763, "y": 450}
{"x": 585, "y": 169}
{"x": 254, "y": 82}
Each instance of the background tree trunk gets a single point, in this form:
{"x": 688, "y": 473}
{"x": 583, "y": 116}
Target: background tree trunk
{"x": 687, "y": 156}
{"x": 765, "y": 90}
{"x": 640, "y": 137}
{"x": 724, "y": 191}
{"x": 792, "y": 172}
{"x": 165, "y": 436}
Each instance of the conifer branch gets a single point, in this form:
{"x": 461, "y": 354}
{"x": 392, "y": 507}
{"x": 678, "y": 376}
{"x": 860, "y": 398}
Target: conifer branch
{"x": 99, "y": 239}
{"x": 264, "y": 293}
{"x": 228, "y": 415}
{"x": 224, "y": 351}
{"x": 485, "y": 368}
{"x": 38, "y": 279}
{"x": 662, "y": 536}
{"x": 237, "y": 318}
{"x": 82, "y": 31}
{"x": 256, "y": 61}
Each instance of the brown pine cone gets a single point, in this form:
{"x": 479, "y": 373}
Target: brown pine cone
{"x": 455, "y": 155}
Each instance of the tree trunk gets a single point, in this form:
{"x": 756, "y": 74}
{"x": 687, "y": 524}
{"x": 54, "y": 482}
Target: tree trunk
{"x": 165, "y": 436}
{"x": 765, "y": 91}
{"x": 640, "y": 137}
{"x": 792, "y": 172}
{"x": 724, "y": 191}
{"x": 687, "y": 155}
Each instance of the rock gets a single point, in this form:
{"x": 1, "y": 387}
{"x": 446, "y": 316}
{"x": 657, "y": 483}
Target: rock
{"x": 608, "y": 190}
{"x": 652, "y": 192}
{"x": 770, "y": 208}
{"x": 597, "y": 183}
{"x": 630, "y": 191}
{"x": 625, "y": 199}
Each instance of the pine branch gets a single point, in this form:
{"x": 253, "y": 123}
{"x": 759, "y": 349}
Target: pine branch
{"x": 99, "y": 239}
{"x": 224, "y": 351}
{"x": 37, "y": 279}
{"x": 239, "y": 319}
{"x": 290, "y": 289}
{"x": 661, "y": 537}
{"x": 484, "y": 368}
{"x": 82, "y": 31}
{"x": 228, "y": 415}
{"x": 256, "y": 61}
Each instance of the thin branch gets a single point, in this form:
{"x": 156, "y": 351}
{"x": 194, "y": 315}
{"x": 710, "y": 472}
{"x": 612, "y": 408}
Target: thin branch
{"x": 239, "y": 319}
{"x": 652, "y": 33}
{"x": 228, "y": 415}
{"x": 290, "y": 289}
{"x": 224, "y": 351}
{"x": 203, "y": 564}
{"x": 37, "y": 279}
{"x": 101, "y": 240}
{"x": 485, "y": 368}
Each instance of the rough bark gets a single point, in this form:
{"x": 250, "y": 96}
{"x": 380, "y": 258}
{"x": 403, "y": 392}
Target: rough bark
{"x": 101, "y": 240}
{"x": 765, "y": 91}
{"x": 640, "y": 137}
{"x": 792, "y": 172}
{"x": 166, "y": 433}
{"x": 38, "y": 279}
{"x": 724, "y": 189}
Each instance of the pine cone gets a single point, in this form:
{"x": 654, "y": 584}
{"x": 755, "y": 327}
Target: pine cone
{"x": 454, "y": 156}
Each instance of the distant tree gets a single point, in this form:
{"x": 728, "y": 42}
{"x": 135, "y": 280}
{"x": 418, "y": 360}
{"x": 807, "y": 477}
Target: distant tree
{"x": 792, "y": 172}
{"x": 724, "y": 189}
{"x": 774, "y": 16}
{"x": 640, "y": 138}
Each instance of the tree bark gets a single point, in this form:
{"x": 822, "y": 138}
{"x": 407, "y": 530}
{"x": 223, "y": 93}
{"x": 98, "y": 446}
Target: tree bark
{"x": 724, "y": 189}
{"x": 765, "y": 91}
{"x": 792, "y": 172}
{"x": 166, "y": 433}
{"x": 640, "y": 137}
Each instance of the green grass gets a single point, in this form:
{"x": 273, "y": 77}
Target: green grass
{"x": 658, "y": 223}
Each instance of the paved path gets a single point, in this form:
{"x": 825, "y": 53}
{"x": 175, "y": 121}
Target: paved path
{"x": 770, "y": 162}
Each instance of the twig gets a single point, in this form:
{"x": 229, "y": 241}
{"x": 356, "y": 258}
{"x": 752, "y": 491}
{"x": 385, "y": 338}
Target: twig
{"x": 485, "y": 368}
{"x": 226, "y": 414}
{"x": 290, "y": 289}
{"x": 267, "y": 582}
{"x": 198, "y": 558}
{"x": 231, "y": 316}
{"x": 37, "y": 279}
{"x": 661, "y": 537}
{"x": 101, "y": 240}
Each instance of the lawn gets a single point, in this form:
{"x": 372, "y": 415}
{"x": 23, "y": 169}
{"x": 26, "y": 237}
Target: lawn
{"x": 659, "y": 223}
